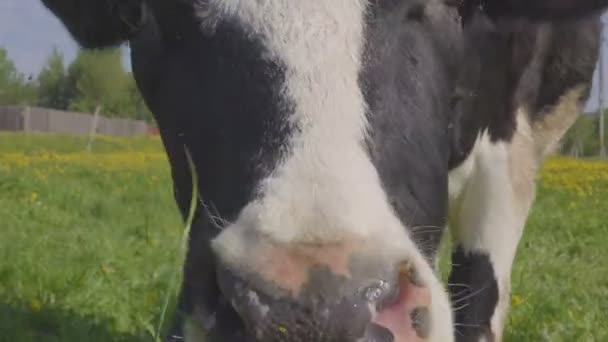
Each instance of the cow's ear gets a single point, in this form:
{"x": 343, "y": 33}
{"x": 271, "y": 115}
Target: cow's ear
{"x": 99, "y": 23}
{"x": 541, "y": 10}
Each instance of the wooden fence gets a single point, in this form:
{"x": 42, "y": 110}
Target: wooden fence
{"x": 34, "y": 119}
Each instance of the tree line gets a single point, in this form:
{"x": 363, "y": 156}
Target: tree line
{"x": 582, "y": 140}
{"x": 97, "y": 78}
{"x": 94, "y": 78}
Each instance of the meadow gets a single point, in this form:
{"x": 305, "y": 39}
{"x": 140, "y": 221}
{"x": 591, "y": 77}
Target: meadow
{"x": 89, "y": 243}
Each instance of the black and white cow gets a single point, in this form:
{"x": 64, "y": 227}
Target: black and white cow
{"x": 333, "y": 139}
{"x": 522, "y": 86}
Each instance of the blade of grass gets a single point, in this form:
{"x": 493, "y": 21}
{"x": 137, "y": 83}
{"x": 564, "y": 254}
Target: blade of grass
{"x": 183, "y": 242}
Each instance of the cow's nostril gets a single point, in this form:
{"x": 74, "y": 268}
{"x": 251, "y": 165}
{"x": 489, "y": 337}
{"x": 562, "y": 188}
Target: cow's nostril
{"x": 377, "y": 292}
{"x": 420, "y": 317}
{"x": 408, "y": 316}
{"x": 385, "y": 293}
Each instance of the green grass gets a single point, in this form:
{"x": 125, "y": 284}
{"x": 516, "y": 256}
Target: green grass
{"x": 561, "y": 274}
{"x": 36, "y": 143}
{"x": 88, "y": 244}
{"x": 561, "y": 271}
{"x": 86, "y": 250}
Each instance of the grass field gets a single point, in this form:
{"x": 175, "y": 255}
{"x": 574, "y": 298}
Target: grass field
{"x": 88, "y": 243}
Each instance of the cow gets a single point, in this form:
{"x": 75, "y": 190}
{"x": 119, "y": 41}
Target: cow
{"x": 333, "y": 140}
{"x": 522, "y": 86}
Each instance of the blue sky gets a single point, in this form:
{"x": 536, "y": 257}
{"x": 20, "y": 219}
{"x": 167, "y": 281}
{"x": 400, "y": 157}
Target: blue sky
{"x": 29, "y": 33}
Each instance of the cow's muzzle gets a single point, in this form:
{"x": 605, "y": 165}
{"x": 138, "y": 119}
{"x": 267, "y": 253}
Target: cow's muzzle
{"x": 327, "y": 294}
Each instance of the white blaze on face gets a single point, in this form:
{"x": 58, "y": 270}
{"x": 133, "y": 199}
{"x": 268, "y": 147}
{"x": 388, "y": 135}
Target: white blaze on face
{"x": 326, "y": 188}
{"x": 327, "y": 185}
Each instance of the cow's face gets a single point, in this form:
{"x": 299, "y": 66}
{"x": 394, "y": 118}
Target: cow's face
{"x": 267, "y": 95}
{"x": 318, "y": 253}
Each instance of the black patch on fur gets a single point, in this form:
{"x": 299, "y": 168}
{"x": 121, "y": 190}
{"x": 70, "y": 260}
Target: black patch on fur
{"x": 99, "y": 23}
{"x": 540, "y": 10}
{"x": 474, "y": 289}
{"x": 486, "y": 88}
{"x": 571, "y": 57}
{"x": 410, "y": 62}
{"x": 220, "y": 95}
{"x": 507, "y": 67}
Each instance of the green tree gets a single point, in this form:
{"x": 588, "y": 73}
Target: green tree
{"x": 52, "y": 83}
{"x": 136, "y": 103}
{"x": 15, "y": 89}
{"x": 96, "y": 78}
{"x": 580, "y": 140}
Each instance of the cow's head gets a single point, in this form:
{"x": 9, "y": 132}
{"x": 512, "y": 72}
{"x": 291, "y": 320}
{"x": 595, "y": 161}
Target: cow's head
{"x": 317, "y": 252}
{"x": 269, "y": 98}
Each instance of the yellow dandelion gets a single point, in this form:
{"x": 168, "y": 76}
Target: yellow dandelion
{"x": 152, "y": 297}
{"x": 516, "y": 300}
{"x": 35, "y": 305}
{"x": 106, "y": 270}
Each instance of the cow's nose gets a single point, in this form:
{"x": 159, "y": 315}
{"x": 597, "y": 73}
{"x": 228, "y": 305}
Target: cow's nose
{"x": 407, "y": 316}
{"x": 374, "y": 303}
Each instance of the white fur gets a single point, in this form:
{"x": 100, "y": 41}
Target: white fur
{"x": 485, "y": 218}
{"x": 459, "y": 178}
{"x": 492, "y": 192}
{"x": 327, "y": 188}
{"x": 327, "y": 185}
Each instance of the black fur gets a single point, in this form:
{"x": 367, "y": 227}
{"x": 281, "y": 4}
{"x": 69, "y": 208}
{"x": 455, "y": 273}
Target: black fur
{"x": 473, "y": 288}
{"x": 530, "y": 65}
{"x": 571, "y": 57}
{"x": 411, "y": 59}
{"x": 217, "y": 96}
{"x": 545, "y": 10}
{"x": 99, "y": 23}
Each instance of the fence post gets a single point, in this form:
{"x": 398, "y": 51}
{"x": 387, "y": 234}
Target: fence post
{"x": 601, "y": 97}
{"x": 93, "y": 130}
{"x": 27, "y": 119}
